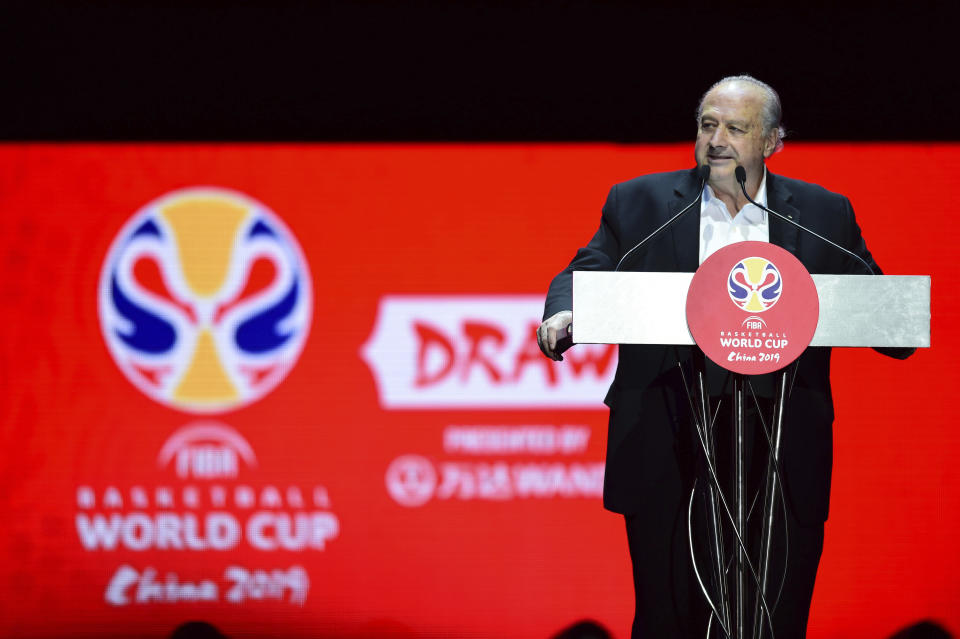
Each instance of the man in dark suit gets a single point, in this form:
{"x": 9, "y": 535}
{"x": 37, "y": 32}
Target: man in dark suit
{"x": 651, "y": 459}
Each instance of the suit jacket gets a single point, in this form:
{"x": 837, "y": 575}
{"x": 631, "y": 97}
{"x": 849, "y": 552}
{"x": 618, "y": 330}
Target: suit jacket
{"x": 647, "y": 400}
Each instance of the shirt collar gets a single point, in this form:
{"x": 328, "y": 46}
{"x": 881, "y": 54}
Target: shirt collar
{"x": 750, "y": 212}
{"x": 762, "y": 191}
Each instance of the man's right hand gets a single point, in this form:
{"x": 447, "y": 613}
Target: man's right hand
{"x": 552, "y": 330}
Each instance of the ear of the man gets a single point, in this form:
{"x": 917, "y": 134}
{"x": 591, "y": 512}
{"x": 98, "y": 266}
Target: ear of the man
{"x": 770, "y": 144}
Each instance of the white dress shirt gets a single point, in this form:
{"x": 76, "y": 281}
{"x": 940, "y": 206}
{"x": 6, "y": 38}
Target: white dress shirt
{"x": 718, "y": 228}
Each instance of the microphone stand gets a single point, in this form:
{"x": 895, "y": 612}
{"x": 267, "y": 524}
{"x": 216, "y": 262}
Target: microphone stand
{"x": 703, "y": 171}
{"x": 741, "y": 175}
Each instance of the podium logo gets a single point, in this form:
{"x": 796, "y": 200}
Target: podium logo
{"x": 205, "y": 300}
{"x": 754, "y": 284}
{"x": 478, "y": 351}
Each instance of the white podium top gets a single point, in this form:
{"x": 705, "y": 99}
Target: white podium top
{"x": 650, "y": 308}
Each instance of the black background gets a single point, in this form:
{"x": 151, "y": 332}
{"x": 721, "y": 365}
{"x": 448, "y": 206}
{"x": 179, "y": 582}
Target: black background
{"x": 470, "y": 71}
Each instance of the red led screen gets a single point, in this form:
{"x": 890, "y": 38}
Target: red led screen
{"x": 293, "y": 390}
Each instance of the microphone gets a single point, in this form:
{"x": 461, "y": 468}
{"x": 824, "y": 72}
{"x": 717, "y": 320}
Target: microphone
{"x": 741, "y": 174}
{"x": 703, "y": 172}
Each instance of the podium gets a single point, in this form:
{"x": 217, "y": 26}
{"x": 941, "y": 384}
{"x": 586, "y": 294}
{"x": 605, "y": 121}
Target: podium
{"x": 650, "y": 308}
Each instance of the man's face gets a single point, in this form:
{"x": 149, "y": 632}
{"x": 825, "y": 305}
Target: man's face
{"x": 730, "y": 133}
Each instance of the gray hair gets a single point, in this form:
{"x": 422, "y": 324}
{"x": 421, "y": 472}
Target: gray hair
{"x": 772, "y": 111}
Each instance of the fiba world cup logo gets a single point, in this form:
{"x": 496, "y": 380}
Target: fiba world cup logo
{"x": 754, "y": 284}
{"x": 205, "y": 300}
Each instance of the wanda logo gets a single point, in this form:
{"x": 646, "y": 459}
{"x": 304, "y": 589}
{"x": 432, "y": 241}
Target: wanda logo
{"x": 411, "y": 480}
{"x": 478, "y": 352}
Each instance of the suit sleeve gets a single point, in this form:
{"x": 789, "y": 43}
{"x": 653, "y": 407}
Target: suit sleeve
{"x": 600, "y": 254}
{"x": 856, "y": 243}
